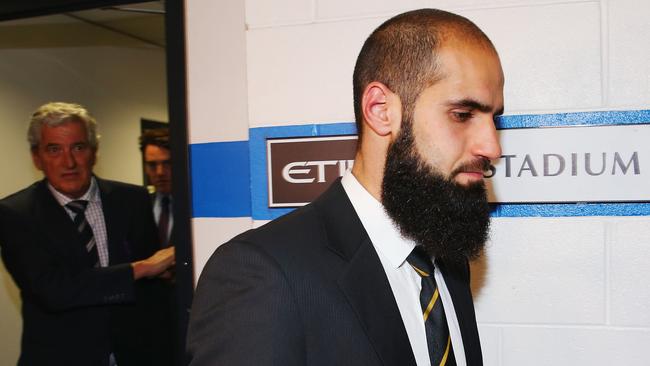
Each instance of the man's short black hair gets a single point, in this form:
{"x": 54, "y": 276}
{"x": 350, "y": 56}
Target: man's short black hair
{"x": 157, "y": 136}
{"x": 402, "y": 54}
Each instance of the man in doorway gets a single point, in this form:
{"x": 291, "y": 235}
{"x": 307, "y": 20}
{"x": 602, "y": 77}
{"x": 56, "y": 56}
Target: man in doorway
{"x": 375, "y": 271}
{"x": 154, "y": 144}
{"x": 82, "y": 250}
{"x": 156, "y": 154}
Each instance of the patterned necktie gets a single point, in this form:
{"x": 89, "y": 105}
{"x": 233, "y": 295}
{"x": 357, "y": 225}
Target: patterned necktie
{"x": 163, "y": 222}
{"x": 85, "y": 231}
{"x": 435, "y": 322}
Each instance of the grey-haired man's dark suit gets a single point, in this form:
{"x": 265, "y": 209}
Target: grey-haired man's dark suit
{"x": 72, "y": 314}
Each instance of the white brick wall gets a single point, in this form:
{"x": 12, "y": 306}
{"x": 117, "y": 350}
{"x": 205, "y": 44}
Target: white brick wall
{"x": 535, "y": 271}
{"x": 216, "y": 70}
{"x": 574, "y": 346}
{"x": 629, "y": 53}
{"x": 628, "y": 268}
{"x": 567, "y": 291}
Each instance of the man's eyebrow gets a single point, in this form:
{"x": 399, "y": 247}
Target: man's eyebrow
{"x": 474, "y": 104}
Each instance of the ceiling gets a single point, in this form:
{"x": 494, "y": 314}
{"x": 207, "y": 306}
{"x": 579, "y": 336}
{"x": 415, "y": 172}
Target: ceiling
{"x": 135, "y": 25}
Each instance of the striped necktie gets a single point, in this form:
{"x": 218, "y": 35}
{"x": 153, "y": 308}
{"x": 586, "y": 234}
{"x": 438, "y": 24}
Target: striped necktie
{"x": 435, "y": 322}
{"x": 84, "y": 229}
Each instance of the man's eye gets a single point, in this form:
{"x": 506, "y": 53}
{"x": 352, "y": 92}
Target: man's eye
{"x": 461, "y": 116}
{"x": 53, "y": 149}
{"x": 79, "y": 147}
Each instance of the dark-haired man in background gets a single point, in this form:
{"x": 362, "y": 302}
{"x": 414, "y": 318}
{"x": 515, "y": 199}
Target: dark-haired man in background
{"x": 375, "y": 271}
{"x": 156, "y": 154}
{"x": 83, "y": 251}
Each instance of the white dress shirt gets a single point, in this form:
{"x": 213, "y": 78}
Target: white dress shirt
{"x": 405, "y": 283}
{"x": 94, "y": 216}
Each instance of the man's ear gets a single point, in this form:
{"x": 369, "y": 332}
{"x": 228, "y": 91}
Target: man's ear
{"x": 380, "y": 107}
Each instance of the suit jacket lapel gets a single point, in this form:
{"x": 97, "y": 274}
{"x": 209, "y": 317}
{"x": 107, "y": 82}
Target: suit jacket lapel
{"x": 364, "y": 281}
{"x": 57, "y": 221}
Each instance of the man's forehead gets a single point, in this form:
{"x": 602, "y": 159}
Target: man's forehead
{"x": 154, "y": 147}
{"x": 65, "y": 129}
{"x": 156, "y": 152}
{"x": 468, "y": 61}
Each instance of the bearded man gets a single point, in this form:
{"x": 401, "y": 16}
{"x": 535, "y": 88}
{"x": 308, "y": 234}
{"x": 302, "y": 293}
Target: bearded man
{"x": 375, "y": 271}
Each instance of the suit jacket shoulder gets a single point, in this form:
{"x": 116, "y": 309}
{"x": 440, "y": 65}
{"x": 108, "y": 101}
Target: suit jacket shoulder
{"x": 26, "y": 200}
{"x": 325, "y": 296}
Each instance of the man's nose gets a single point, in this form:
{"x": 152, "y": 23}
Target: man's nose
{"x": 486, "y": 139}
{"x": 160, "y": 168}
{"x": 69, "y": 159}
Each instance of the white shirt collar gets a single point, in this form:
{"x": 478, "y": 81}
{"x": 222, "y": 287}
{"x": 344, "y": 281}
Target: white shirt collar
{"x": 91, "y": 195}
{"x": 159, "y": 196}
{"x": 385, "y": 236}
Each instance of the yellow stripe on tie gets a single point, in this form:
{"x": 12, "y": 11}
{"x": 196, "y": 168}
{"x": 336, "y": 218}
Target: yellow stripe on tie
{"x": 444, "y": 357}
{"x": 420, "y": 272}
{"x": 430, "y": 306}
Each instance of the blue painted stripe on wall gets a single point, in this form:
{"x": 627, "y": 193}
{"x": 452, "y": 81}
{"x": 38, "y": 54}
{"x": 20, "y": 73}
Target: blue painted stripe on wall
{"x": 219, "y": 179}
{"x": 574, "y": 119}
{"x": 537, "y": 210}
{"x": 575, "y": 209}
{"x": 229, "y": 178}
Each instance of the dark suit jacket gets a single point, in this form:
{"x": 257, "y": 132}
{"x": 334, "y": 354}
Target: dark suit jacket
{"x": 309, "y": 289}
{"x": 72, "y": 314}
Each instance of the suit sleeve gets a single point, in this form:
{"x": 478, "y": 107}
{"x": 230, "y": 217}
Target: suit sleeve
{"x": 244, "y": 312}
{"x": 45, "y": 275}
{"x": 143, "y": 231}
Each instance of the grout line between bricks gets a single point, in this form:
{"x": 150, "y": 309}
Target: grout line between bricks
{"x": 567, "y": 326}
{"x": 390, "y": 13}
{"x": 501, "y": 347}
{"x": 610, "y": 231}
{"x": 604, "y": 52}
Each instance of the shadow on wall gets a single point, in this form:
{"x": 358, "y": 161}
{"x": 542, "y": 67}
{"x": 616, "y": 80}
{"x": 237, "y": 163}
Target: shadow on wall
{"x": 479, "y": 270}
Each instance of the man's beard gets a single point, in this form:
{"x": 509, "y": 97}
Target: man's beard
{"x": 448, "y": 220}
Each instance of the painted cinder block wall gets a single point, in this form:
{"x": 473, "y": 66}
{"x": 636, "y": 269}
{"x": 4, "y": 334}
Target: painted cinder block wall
{"x": 569, "y": 290}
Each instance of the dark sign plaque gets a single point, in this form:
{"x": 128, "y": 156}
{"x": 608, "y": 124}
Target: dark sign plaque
{"x": 300, "y": 169}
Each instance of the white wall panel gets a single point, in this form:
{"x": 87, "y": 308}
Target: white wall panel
{"x": 216, "y": 71}
{"x": 327, "y": 9}
{"x": 210, "y": 233}
{"x": 267, "y": 13}
{"x": 574, "y": 346}
{"x": 629, "y": 53}
{"x": 548, "y": 271}
{"x": 550, "y": 54}
{"x": 303, "y": 74}
{"x": 343, "y": 9}
{"x": 630, "y": 273}
{"x": 490, "y": 344}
